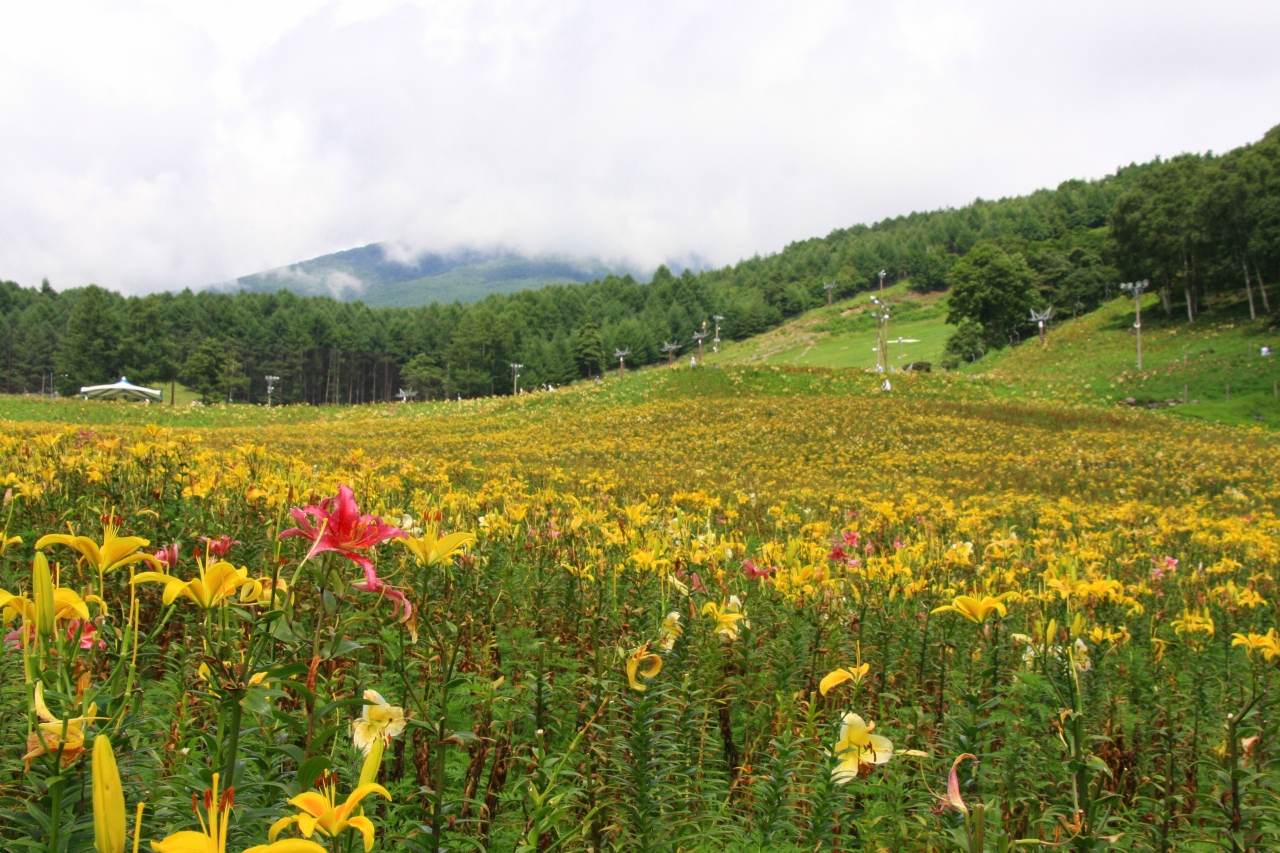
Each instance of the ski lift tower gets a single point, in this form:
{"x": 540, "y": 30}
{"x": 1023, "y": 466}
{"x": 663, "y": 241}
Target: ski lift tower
{"x": 830, "y": 288}
{"x": 271, "y": 387}
{"x": 621, "y": 356}
{"x": 1040, "y": 318}
{"x": 1137, "y": 288}
{"x": 405, "y": 395}
{"x": 700, "y": 337}
{"x": 671, "y": 348}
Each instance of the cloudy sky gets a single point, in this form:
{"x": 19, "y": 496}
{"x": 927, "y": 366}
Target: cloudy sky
{"x": 146, "y": 146}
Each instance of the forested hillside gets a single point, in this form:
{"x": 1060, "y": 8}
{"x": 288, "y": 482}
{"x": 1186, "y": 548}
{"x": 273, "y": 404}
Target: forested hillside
{"x": 1195, "y": 225}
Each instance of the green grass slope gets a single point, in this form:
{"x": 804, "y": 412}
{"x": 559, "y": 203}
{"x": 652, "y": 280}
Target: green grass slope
{"x": 844, "y": 335}
{"x": 1215, "y": 362}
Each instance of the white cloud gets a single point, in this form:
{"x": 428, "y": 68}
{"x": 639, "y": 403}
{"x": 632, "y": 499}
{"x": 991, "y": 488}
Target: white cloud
{"x": 336, "y": 283}
{"x": 150, "y": 145}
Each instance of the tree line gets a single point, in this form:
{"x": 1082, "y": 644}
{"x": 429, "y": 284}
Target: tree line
{"x": 1065, "y": 246}
{"x": 1199, "y": 227}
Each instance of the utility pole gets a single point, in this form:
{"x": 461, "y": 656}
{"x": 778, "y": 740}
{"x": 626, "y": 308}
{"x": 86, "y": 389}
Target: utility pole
{"x": 829, "y": 287}
{"x": 715, "y": 342}
{"x": 1041, "y": 317}
{"x": 882, "y": 281}
{"x": 515, "y": 378}
{"x": 621, "y": 356}
{"x": 670, "y": 349}
{"x": 271, "y": 386}
{"x": 1136, "y": 288}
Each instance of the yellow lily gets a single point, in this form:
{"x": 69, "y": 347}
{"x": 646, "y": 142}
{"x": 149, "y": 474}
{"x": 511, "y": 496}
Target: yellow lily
{"x": 212, "y": 837}
{"x": 67, "y": 604}
{"x": 1268, "y": 643}
{"x": 670, "y": 631}
{"x": 840, "y": 676}
{"x": 214, "y": 585}
{"x": 108, "y": 799}
{"x": 114, "y": 552}
{"x": 642, "y": 657}
{"x": 430, "y": 551}
{"x": 380, "y": 721}
{"x": 53, "y": 734}
{"x": 857, "y": 747}
{"x": 727, "y": 617}
{"x": 6, "y": 541}
{"x": 319, "y": 810}
{"x": 1194, "y": 623}
{"x": 977, "y": 610}
{"x": 648, "y": 561}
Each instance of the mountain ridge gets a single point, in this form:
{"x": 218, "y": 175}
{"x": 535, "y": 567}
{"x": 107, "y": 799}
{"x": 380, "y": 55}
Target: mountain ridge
{"x": 375, "y": 275}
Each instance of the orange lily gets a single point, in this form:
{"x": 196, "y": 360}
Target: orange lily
{"x": 642, "y": 657}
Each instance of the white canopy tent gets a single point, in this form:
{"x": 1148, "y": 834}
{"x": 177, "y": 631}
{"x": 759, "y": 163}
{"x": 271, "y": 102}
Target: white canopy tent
{"x": 122, "y": 390}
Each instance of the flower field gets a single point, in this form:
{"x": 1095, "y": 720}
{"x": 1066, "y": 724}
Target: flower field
{"x": 739, "y": 609}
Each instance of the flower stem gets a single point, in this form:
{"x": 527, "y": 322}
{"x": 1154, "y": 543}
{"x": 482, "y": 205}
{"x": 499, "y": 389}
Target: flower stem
{"x": 233, "y": 739}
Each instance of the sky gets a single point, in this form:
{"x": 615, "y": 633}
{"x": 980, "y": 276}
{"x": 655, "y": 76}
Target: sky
{"x": 151, "y": 146}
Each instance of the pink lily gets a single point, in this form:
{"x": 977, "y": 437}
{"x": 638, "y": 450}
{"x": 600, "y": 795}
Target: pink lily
{"x": 88, "y": 634}
{"x": 342, "y": 529}
{"x": 953, "y": 800}
{"x": 219, "y": 545}
{"x": 373, "y": 583}
{"x": 168, "y": 555}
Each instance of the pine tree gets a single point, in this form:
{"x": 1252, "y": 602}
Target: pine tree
{"x": 588, "y": 349}
{"x": 87, "y": 354}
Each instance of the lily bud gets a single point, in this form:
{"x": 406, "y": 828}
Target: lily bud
{"x": 42, "y": 592}
{"x": 108, "y": 799}
{"x": 369, "y": 772}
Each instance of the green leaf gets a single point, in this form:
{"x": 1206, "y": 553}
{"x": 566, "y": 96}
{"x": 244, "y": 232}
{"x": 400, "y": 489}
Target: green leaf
{"x": 310, "y": 770}
{"x": 282, "y": 632}
{"x": 460, "y": 737}
{"x": 357, "y": 702}
{"x": 339, "y": 648}
{"x": 290, "y": 750}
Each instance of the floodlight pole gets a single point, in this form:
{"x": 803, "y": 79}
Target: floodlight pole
{"x": 621, "y": 355}
{"x": 271, "y": 386}
{"x": 515, "y": 378}
{"x": 830, "y": 288}
{"x": 882, "y": 322}
{"x": 882, "y": 272}
{"x": 715, "y": 342}
{"x": 1136, "y": 288}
